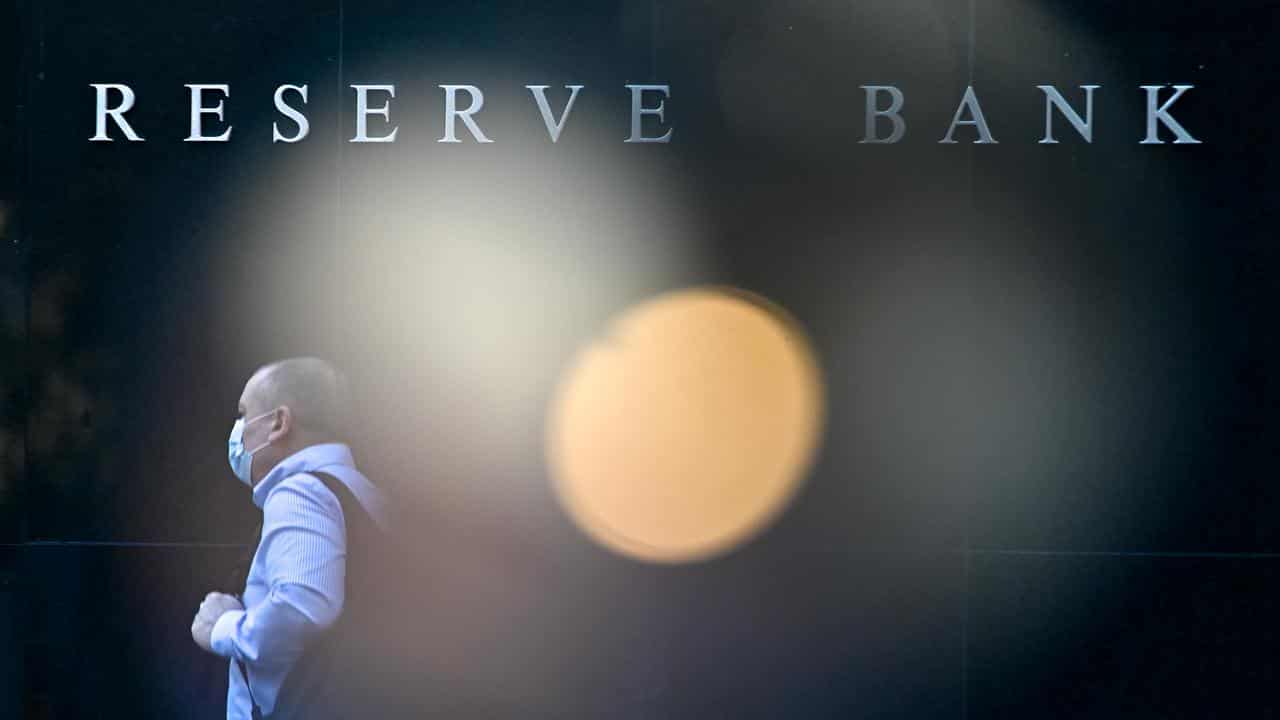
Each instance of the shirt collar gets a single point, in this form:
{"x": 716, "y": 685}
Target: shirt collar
{"x": 308, "y": 458}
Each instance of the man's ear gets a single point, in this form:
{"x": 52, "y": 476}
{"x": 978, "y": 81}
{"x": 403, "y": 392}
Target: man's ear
{"x": 281, "y": 424}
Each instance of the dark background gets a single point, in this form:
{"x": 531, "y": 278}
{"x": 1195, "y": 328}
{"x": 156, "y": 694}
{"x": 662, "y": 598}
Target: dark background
{"x": 1047, "y": 484}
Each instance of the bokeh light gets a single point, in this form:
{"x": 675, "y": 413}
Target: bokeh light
{"x": 687, "y": 427}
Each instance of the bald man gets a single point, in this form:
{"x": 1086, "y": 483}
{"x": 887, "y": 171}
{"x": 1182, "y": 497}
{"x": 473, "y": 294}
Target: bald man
{"x": 291, "y": 641}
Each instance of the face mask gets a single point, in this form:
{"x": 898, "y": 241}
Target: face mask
{"x": 241, "y": 461}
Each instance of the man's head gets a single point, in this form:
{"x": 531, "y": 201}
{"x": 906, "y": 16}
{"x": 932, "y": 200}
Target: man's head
{"x": 287, "y": 406}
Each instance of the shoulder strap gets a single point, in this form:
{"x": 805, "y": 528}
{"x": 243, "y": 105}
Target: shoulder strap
{"x": 351, "y": 507}
{"x": 244, "y": 673}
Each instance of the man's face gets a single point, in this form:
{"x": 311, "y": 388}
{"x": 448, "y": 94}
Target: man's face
{"x": 261, "y": 430}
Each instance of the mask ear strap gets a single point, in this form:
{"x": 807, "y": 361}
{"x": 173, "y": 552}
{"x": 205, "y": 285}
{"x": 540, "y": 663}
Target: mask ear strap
{"x": 259, "y": 417}
{"x": 256, "y": 418}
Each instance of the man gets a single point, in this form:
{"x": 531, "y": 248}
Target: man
{"x": 320, "y": 526}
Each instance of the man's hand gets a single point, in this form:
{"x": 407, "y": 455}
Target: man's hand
{"x": 210, "y": 610}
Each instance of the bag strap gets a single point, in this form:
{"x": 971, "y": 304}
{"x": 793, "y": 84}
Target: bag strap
{"x": 244, "y": 673}
{"x": 334, "y": 486}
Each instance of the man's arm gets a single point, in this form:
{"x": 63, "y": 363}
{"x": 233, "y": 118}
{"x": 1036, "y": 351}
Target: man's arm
{"x": 304, "y": 546}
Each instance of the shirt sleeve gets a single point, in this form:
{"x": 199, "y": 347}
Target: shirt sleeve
{"x": 303, "y": 551}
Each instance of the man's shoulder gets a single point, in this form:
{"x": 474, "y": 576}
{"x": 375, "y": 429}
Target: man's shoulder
{"x": 306, "y": 488}
{"x": 303, "y": 490}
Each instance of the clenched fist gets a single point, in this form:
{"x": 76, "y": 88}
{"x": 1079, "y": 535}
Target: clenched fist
{"x": 210, "y": 610}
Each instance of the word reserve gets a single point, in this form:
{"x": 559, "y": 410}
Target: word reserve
{"x": 201, "y": 107}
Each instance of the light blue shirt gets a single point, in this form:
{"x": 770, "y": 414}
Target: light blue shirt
{"x": 295, "y": 586}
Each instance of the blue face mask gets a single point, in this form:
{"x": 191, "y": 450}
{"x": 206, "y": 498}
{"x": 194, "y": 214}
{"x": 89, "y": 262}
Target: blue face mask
{"x": 241, "y": 461}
